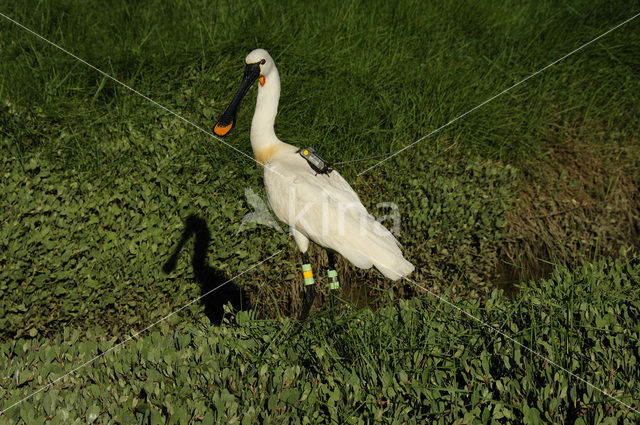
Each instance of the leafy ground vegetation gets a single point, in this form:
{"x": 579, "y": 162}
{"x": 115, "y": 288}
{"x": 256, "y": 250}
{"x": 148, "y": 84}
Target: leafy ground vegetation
{"x": 417, "y": 361}
{"x": 115, "y": 213}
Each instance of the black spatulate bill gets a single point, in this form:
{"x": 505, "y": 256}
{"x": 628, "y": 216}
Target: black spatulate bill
{"x": 228, "y": 119}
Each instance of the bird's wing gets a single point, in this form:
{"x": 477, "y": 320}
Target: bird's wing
{"x": 327, "y": 210}
{"x": 303, "y": 198}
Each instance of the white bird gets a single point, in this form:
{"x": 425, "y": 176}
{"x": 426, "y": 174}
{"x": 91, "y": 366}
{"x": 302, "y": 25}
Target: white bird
{"x": 303, "y": 191}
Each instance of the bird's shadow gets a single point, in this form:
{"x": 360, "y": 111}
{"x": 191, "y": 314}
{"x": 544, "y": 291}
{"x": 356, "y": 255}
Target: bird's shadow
{"x": 208, "y": 277}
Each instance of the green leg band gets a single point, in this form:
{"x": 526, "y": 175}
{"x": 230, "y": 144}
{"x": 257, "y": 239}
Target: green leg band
{"x": 333, "y": 279}
{"x": 307, "y": 274}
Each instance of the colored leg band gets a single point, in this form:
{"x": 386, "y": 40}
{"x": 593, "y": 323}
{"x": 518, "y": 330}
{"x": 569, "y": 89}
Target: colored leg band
{"x": 333, "y": 279}
{"x": 307, "y": 274}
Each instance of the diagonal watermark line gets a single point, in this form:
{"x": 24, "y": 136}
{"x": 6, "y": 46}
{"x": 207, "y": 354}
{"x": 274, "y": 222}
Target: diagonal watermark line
{"x": 349, "y": 161}
{"x": 496, "y": 96}
{"x": 4, "y": 410}
{"x": 277, "y": 253}
{"x": 130, "y": 88}
{"x": 514, "y": 341}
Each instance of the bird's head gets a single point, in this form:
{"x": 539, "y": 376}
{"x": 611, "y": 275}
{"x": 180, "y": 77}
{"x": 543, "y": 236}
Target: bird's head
{"x": 262, "y": 58}
{"x": 259, "y": 66}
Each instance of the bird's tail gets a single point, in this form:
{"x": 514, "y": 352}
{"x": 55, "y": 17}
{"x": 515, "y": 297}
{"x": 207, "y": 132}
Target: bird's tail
{"x": 371, "y": 244}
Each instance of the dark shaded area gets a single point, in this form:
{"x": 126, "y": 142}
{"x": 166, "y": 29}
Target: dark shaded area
{"x": 211, "y": 280}
{"x": 579, "y": 204}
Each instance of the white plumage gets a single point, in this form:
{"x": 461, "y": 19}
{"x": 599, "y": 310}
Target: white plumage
{"x": 325, "y": 209}
{"x": 318, "y": 206}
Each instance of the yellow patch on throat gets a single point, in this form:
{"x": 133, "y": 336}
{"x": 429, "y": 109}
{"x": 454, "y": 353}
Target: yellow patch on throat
{"x": 262, "y": 80}
{"x": 264, "y": 155}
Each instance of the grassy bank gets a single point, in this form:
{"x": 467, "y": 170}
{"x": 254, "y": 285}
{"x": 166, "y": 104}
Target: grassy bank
{"x": 411, "y": 362}
{"x": 101, "y": 182}
{"x": 359, "y": 80}
{"x": 115, "y": 213}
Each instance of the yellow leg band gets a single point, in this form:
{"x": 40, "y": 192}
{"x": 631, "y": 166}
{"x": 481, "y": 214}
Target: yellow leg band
{"x": 307, "y": 274}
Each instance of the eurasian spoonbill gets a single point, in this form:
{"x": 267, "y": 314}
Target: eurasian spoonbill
{"x": 306, "y": 193}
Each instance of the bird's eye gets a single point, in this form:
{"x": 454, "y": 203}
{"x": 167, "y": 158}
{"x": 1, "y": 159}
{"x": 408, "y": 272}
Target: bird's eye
{"x": 263, "y": 61}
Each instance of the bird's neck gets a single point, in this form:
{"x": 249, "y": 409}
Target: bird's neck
{"x": 263, "y": 137}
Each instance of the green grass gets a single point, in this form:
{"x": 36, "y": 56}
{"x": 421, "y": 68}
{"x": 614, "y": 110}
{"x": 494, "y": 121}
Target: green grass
{"x": 357, "y": 79}
{"x": 79, "y": 250}
{"x": 100, "y": 182}
{"x": 412, "y": 362}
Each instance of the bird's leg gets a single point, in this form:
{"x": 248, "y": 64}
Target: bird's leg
{"x": 334, "y": 283}
{"x": 309, "y": 288}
